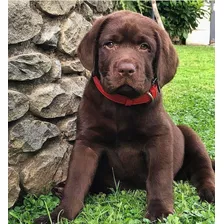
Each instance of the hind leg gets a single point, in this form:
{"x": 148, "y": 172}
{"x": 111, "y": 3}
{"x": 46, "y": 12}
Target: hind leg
{"x": 197, "y": 167}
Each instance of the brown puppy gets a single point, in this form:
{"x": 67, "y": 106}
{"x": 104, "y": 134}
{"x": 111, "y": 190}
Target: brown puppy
{"x": 138, "y": 144}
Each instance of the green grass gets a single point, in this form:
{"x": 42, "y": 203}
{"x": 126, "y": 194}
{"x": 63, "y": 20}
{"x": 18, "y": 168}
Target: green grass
{"x": 189, "y": 99}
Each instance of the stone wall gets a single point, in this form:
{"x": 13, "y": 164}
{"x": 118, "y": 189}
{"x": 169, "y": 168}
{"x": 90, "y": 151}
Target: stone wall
{"x": 46, "y": 83}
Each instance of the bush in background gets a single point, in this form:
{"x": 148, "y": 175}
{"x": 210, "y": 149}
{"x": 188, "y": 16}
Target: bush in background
{"x": 179, "y": 17}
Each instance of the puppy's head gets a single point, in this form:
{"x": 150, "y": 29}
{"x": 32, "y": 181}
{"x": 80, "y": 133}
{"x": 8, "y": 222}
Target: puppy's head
{"x": 128, "y": 50}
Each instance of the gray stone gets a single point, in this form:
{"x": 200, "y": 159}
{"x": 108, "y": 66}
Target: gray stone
{"x": 103, "y": 6}
{"x": 46, "y": 83}
{"x": 57, "y": 7}
{"x": 18, "y": 105}
{"x": 62, "y": 171}
{"x": 88, "y": 74}
{"x": 48, "y": 37}
{"x": 16, "y": 157}
{"x": 57, "y": 100}
{"x": 45, "y": 100}
{"x": 67, "y": 127}
{"x": 74, "y": 85}
{"x": 55, "y": 72}
{"x": 73, "y": 30}
{"x": 13, "y": 186}
{"x": 74, "y": 66}
{"x": 28, "y": 66}
{"x": 30, "y": 135}
{"x": 38, "y": 174}
{"x": 23, "y": 22}
{"x": 86, "y": 11}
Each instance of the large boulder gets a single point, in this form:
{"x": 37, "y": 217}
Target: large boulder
{"x": 73, "y": 30}
{"x": 62, "y": 171}
{"x": 13, "y": 186}
{"x": 30, "y": 135}
{"x": 103, "y": 6}
{"x": 28, "y": 66}
{"x": 57, "y": 100}
{"x": 38, "y": 174}
{"x": 49, "y": 101}
{"x": 86, "y": 11}
{"x": 74, "y": 85}
{"x": 23, "y": 22}
{"x": 67, "y": 127}
{"x": 73, "y": 66}
{"x": 49, "y": 35}
{"x": 56, "y": 70}
{"x": 56, "y": 7}
{"x": 18, "y": 105}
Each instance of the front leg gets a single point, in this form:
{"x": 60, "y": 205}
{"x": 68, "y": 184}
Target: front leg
{"x": 159, "y": 183}
{"x": 82, "y": 167}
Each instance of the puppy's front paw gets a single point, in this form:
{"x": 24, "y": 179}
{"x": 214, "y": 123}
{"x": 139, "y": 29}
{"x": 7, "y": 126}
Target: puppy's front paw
{"x": 42, "y": 220}
{"x": 53, "y": 219}
{"x": 207, "y": 194}
{"x": 157, "y": 210}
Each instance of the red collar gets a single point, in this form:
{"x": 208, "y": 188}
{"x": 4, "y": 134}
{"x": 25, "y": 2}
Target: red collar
{"x": 146, "y": 98}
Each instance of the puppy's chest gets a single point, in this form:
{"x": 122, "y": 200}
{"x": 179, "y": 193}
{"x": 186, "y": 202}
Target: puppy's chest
{"x": 127, "y": 159}
{"x": 125, "y": 148}
{"x": 130, "y": 137}
{"x": 119, "y": 126}
{"x": 128, "y": 145}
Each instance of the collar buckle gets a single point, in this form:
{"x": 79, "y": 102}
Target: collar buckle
{"x": 155, "y": 82}
{"x": 151, "y": 96}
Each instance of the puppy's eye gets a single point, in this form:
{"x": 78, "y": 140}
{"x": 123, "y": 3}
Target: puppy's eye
{"x": 144, "y": 46}
{"x": 109, "y": 44}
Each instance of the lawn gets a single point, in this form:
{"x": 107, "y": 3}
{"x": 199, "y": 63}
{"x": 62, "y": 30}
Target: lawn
{"x": 189, "y": 99}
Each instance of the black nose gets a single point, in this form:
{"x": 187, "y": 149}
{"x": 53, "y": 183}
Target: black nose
{"x": 126, "y": 69}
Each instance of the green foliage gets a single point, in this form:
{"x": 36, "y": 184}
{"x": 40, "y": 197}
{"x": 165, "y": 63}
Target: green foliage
{"x": 31, "y": 208}
{"x": 140, "y": 6}
{"x": 179, "y": 17}
{"x": 192, "y": 90}
{"x": 189, "y": 99}
{"x": 123, "y": 207}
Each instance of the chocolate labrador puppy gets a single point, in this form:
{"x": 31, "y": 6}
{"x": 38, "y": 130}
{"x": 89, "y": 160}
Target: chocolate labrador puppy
{"x": 123, "y": 130}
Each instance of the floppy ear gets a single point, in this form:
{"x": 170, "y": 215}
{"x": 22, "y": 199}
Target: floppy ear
{"x": 166, "y": 58}
{"x": 86, "y": 48}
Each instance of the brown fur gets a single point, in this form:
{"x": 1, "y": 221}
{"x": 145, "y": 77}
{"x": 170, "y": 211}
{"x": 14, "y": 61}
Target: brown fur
{"x": 139, "y": 145}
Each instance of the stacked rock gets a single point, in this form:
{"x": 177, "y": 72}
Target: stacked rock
{"x": 46, "y": 83}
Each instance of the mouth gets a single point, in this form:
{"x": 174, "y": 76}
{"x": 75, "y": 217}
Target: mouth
{"x": 128, "y": 91}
